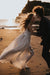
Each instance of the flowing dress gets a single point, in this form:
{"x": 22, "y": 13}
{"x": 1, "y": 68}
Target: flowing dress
{"x": 18, "y": 50}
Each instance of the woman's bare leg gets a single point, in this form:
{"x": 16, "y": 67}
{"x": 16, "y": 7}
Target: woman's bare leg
{"x": 31, "y": 54}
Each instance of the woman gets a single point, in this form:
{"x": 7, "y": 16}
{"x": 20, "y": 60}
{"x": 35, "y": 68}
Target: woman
{"x": 19, "y": 51}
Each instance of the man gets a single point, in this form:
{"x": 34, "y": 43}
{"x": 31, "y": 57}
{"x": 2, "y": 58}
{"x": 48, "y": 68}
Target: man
{"x": 44, "y": 32}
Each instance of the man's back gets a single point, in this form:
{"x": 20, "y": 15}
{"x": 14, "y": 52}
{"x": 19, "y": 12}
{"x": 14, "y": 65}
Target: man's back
{"x": 44, "y": 29}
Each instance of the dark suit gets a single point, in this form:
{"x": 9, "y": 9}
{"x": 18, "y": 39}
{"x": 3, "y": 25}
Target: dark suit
{"x": 44, "y": 32}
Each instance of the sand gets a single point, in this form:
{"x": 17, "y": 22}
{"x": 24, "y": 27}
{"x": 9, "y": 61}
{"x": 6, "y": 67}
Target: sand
{"x": 37, "y": 65}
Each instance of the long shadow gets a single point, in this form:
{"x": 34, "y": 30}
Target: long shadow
{"x": 25, "y": 71}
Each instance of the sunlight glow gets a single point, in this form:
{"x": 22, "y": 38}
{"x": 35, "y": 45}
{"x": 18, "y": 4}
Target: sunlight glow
{"x": 11, "y": 22}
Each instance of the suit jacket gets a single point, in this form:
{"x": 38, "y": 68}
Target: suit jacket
{"x": 44, "y": 30}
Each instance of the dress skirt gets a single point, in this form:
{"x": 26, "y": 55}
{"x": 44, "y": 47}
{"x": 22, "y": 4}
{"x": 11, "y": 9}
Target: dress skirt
{"x": 17, "y": 52}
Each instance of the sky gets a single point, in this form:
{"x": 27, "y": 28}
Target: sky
{"x": 9, "y": 9}
{"x": 45, "y": 0}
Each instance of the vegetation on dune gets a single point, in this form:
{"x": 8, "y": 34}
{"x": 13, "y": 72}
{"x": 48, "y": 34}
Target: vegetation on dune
{"x": 29, "y": 6}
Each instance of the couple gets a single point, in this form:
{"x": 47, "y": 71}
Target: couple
{"x": 19, "y": 51}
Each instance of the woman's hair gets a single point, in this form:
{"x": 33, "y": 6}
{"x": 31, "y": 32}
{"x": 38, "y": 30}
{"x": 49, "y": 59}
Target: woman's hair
{"x": 39, "y": 10}
{"x": 27, "y": 21}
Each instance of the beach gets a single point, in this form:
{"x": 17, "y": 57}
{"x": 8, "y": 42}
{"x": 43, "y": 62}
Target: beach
{"x": 37, "y": 65}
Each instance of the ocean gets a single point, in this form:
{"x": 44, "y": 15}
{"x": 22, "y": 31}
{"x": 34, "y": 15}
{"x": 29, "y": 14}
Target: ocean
{"x": 11, "y": 24}
{"x": 8, "y": 24}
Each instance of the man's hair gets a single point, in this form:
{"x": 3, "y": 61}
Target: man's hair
{"x": 39, "y": 10}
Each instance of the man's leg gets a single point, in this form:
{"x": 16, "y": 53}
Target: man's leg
{"x": 45, "y": 55}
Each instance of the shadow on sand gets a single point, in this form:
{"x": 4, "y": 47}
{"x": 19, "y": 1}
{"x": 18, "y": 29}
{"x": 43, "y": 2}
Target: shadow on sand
{"x": 25, "y": 71}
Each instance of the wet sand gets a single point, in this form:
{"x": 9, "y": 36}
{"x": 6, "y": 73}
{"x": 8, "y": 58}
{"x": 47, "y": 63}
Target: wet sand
{"x": 37, "y": 65}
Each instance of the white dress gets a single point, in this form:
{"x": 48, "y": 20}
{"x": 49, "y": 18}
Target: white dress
{"x": 18, "y": 51}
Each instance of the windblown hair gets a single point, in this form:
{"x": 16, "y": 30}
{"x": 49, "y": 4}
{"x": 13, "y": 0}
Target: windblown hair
{"x": 39, "y": 10}
{"x": 27, "y": 21}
